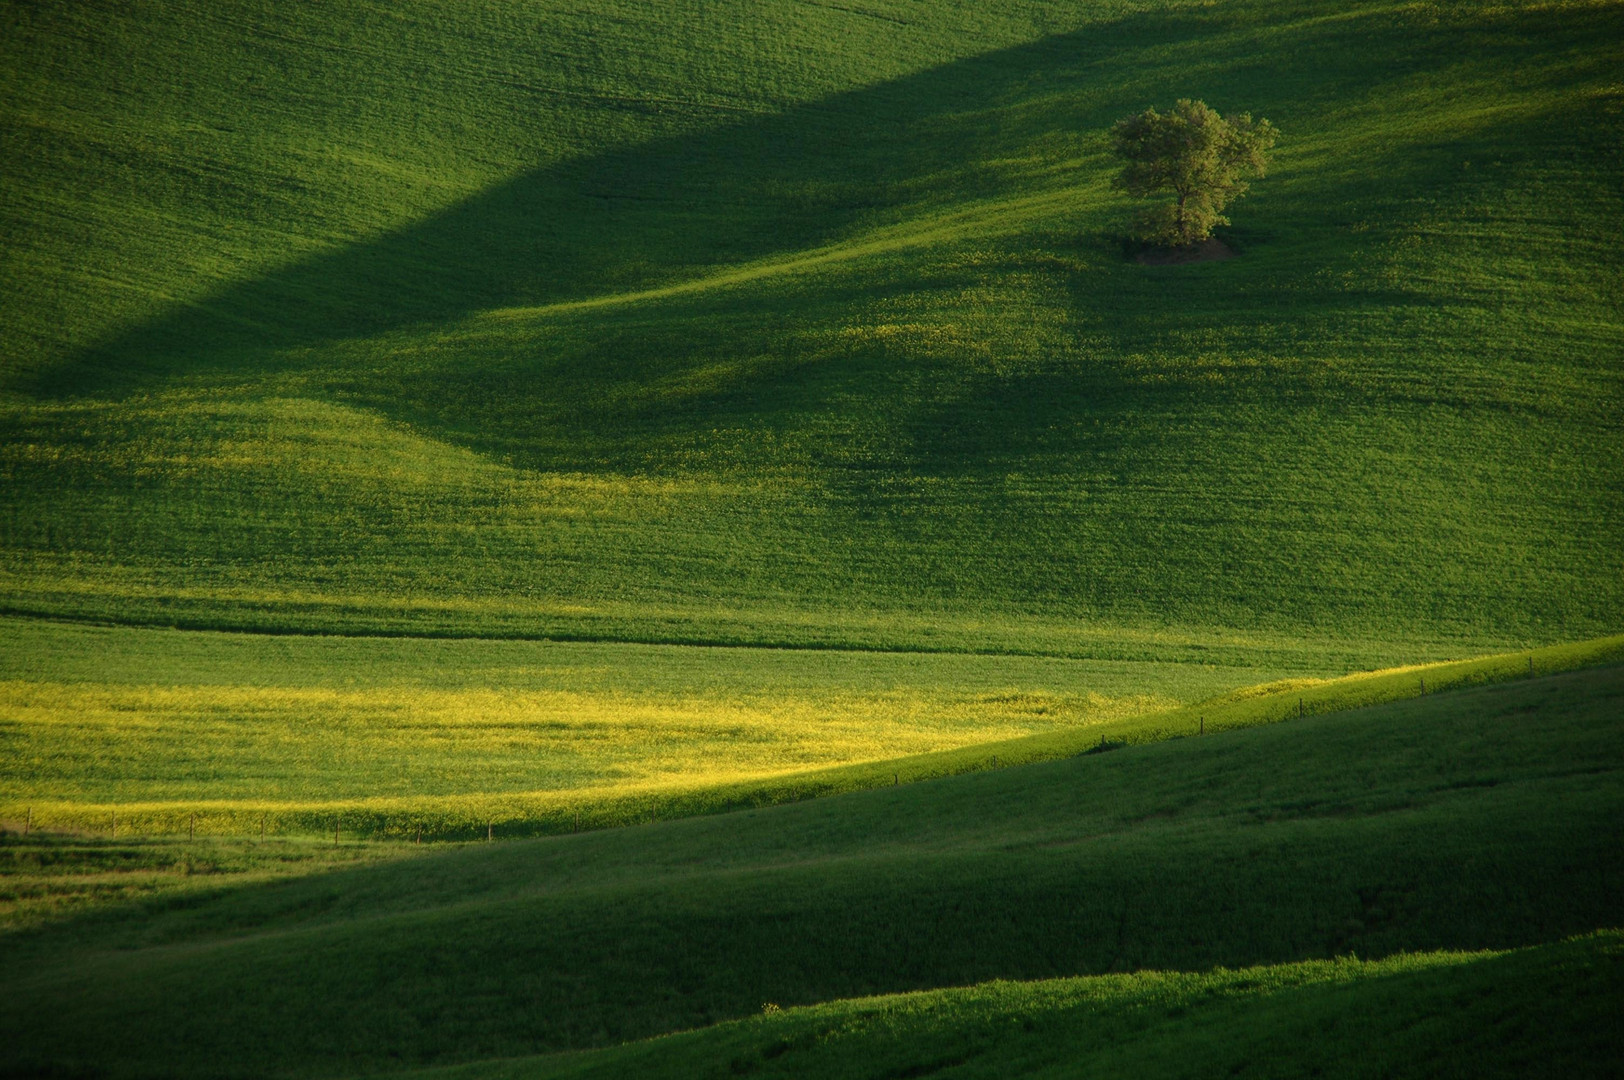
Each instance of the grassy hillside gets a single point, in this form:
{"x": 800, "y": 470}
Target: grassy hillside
{"x": 530, "y": 417}
{"x": 1482, "y": 818}
{"x": 790, "y": 323}
{"x": 1429, "y": 1015}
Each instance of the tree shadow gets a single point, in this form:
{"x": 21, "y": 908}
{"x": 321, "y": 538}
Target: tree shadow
{"x": 630, "y": 218}
{"x": 673, "y": 208}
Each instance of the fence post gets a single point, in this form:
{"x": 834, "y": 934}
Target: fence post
{"x": 191, "y": 827}
{"x": 488, "y": 831}
{"x": 1201, "y": 728}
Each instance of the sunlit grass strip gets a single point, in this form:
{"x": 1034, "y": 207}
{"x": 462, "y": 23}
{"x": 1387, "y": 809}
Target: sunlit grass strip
{"x": 478, "y": 816}
{"x": 982, "y": 220}
{"x": 116, "y": 744}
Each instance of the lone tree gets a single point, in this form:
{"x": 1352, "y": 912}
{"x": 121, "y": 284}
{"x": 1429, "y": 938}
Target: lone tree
{"x": 1202, "y": 158}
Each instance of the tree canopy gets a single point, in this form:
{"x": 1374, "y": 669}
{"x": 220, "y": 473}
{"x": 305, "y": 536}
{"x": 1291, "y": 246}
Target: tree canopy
{"x": 1205, "y": 160}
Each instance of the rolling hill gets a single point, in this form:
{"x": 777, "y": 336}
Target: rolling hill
{"x": 809, "y": 324}
{"x": 1420, "y": 1015}
{"x": 732, "y": 444}
{"x": 1485, "y": 818}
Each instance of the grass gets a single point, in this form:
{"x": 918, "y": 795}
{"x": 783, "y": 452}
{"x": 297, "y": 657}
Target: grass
{"x": 1427, "y": 1014}
{"x": 164, "y": 727}
{"x": 1483, "y": 818}
{"x": 162, "y": 732}
{"x": 48, "y": 877}
{"x": 471, "y": 414}
{"x": 804, "y": 329}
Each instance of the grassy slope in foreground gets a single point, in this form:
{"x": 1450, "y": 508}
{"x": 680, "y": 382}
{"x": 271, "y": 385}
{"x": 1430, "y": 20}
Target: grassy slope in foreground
{"x": 1549, "y": 1010}
{"x": 285, "y": 345}
{"x": 1483, "y": 818}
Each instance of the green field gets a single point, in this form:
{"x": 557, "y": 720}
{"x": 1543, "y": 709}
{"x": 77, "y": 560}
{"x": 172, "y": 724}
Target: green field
{"x": 1483, "y": 818}
{"x": 157, "y": 732}
{"x": 788, "y": 323}
{"x": 159, "y": 726}
{"x": 1402, "y": 1016}
{"x": 724, "y": 453}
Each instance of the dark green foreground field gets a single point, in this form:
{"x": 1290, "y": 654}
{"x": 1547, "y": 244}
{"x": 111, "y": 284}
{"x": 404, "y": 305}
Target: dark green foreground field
{"x": 1488, "y": 818}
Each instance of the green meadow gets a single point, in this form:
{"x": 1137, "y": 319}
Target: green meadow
{"x": 1400, "y": 1016}
{"x": 1482, "y": 818}
{"x": 159, "y": 727}
{"x": 164, "y": 732}
{"x": 546, "y": 539}
{"x": 793, "y": 324}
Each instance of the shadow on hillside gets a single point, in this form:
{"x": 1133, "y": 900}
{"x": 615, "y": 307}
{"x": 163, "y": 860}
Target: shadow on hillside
{"x": 1079, "y": 866}
{"x": 671, "y": 209}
